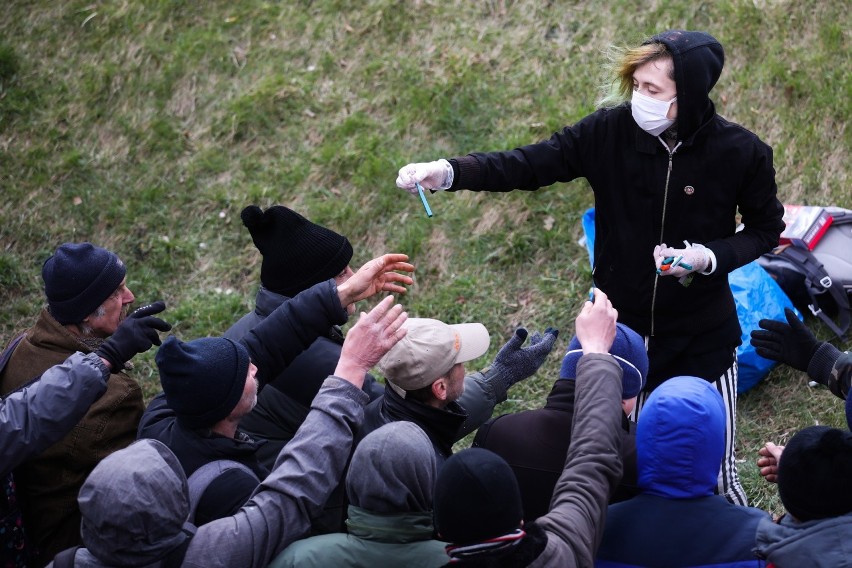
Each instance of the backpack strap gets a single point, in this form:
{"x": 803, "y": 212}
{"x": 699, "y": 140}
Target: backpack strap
{"x": 65, "y": 559}
{"x": 7, "y": 353}
{"x": 818, "y": 282}
{"x": 202, "y": 477}
{"x": 174, "y": 559}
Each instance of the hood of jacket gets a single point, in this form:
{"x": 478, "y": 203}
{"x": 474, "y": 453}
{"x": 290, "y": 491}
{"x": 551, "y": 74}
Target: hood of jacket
{"x": 824, "y": 542}
{"x": 134, "y": 505}
{"x": 393, "y": 470}
{"x": 680, "y": 439}
{"x": 698, "y": 60}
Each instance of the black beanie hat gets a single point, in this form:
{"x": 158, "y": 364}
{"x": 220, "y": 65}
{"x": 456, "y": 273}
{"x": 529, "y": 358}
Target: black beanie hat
{"x": 296, "y": 253}
{"x": 78, "y": 278}
{"x": 476, "y": 498}
{"x": 203, "y": 379}
{"x": 814, "y": 473}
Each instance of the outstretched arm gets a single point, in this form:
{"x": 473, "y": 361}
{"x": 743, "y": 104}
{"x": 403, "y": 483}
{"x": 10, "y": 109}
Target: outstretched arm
{"x": 382, "y": 274}
{"x": 311, "y": 464}
{"x": 514, "y": 362}
{"x": 299, "y": 321}
{"x": 791, "y": 342}
{"x": 593, "y": 464}
{"x": 44, "y": 411}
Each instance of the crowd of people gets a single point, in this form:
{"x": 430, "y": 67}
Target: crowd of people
{"x": 275, "y": 445}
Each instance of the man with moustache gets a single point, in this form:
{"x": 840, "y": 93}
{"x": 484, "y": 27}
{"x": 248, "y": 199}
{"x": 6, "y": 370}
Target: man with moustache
{"x": 87, "y": 299}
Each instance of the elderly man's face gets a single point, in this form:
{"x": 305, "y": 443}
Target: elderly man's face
{"x": 106, "y": 318}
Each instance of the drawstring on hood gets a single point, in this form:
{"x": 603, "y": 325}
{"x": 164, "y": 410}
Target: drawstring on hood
{"x": 698, "y": 59}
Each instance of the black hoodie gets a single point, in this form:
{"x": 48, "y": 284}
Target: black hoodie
{"x": 698, "y": 59}
{"x": 646, "y": 194}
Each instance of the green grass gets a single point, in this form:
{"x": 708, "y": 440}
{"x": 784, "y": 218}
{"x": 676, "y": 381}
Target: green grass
{"x": 147, "y": 126}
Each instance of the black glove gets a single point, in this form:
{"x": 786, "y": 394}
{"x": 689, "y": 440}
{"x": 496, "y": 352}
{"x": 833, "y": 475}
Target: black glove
{"x": 515, "y": 363}
{"x": 136, "y": 334}
{"x": 791, "y": 342}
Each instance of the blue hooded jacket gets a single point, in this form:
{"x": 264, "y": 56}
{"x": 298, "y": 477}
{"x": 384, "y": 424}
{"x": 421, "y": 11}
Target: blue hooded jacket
{"x": 678, "y": 520}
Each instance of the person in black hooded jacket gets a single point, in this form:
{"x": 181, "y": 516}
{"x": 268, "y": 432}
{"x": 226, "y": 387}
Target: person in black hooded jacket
{"x": 665, "y": 169}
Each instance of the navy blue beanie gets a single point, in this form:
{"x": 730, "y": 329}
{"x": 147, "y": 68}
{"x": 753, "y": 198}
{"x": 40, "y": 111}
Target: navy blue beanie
{"x": 296, "y": 253}
{"x": 476, "y": 498}
{"x": 78, "y": 278}
{"x": 628, "y": 349}
{"x": 203, "y": 379}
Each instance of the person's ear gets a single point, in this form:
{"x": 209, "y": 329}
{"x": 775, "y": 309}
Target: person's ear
{"x": 439, "y": 388}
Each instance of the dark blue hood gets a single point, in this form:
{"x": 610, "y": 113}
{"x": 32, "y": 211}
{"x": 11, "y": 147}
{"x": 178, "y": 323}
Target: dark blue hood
{"x": 680, "y": 439}
{"x": 698, "y": 60}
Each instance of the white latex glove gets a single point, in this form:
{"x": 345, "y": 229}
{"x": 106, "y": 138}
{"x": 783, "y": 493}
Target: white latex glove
{"x": 435, "y": 175}
{"x": 696, "y": 258}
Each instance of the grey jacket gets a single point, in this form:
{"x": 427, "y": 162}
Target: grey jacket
{"x": 390, "y": 485}
{"x": 120, "y": 528}
{"x": 574, "y": 525}
{"x": 815, "y": 544}
{"x": 41, "y": 413}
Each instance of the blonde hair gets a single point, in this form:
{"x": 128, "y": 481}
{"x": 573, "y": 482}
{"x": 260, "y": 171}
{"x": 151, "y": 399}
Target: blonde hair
{"x": 622, "y": 63}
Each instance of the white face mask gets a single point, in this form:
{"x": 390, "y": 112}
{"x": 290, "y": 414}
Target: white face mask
{"x": 650, "y": 114}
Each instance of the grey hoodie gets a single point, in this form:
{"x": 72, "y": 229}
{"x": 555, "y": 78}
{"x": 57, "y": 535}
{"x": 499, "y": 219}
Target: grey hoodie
{"x": 135, "y": 503}
{"x": 824, "y": 542}
{"x": 400, "y": 453}
{"x": 390, "y": 485}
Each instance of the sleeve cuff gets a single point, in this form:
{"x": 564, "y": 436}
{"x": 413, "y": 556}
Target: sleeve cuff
{"x": 821, "y": 368}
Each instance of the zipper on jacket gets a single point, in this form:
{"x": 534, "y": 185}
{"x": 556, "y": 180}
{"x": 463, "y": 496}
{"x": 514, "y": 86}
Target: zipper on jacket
{"x": 662, "y": 222}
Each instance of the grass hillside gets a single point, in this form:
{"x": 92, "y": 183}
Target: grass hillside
{"x": 146, "y": 126}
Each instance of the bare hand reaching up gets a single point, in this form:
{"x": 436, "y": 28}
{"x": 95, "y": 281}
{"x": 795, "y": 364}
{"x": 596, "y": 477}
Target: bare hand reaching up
{"x": 369, "y": 339}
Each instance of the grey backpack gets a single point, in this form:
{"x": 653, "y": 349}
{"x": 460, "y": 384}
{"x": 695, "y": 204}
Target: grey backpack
{"x": 819, "y": 281}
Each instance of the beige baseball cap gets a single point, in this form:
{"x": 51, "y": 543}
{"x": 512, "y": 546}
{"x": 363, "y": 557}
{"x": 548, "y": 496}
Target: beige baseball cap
{"x": 430, "y": 349}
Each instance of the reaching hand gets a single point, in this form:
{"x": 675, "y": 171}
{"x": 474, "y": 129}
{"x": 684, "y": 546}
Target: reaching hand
{"x": 369, "y": 339}
{"x": 791, "y": 342}
{"x": 515, "y": 363}
{"x": 376, "y": 276}
{"x": 694, "y": 258}
{"x": 595, "y": 324}
{"x": 431, "y": 175}
{"x": 136, "y": 334}
{"x": 768, "y": 462}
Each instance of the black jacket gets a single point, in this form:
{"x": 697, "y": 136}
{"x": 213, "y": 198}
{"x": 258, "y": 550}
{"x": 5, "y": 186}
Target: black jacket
{"x": 535, "y": 443}
{"x": 272, "y": 344}
{"x": 283, "y": 406}
{"x": 646, "y": 195}
{"x": 442, "y": 426}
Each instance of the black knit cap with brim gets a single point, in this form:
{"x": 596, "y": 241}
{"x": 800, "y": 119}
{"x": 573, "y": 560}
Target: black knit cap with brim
{"x": 203, "y": 379}
{"x": 296, "y": 252}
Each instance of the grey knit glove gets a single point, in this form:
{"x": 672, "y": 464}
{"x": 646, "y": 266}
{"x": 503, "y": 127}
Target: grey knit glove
{"x": 515, "y": 363}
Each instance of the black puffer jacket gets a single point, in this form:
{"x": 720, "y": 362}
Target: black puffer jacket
{"x": 646, "y": 194}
